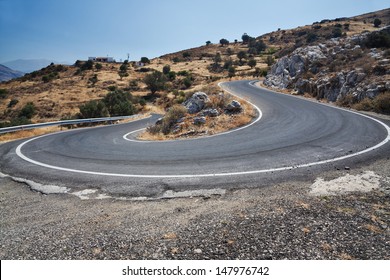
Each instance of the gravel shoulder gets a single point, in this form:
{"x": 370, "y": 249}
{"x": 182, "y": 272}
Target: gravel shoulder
{"x": 284, "y": 221}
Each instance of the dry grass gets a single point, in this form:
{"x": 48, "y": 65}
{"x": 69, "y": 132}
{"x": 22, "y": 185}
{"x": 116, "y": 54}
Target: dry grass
{"x": 213, "y": 125}
{"x": 28, "y": 133}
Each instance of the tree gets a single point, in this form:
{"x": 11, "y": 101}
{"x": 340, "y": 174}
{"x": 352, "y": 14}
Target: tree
{"x": 98, "y": 66}
{"x": 88, "y": 65}
{"x": 377, "y": 22}
{"x": 337, "y": 32}
{"x": 231, "y": 72}
{"x": 118, "y": 103}
{"x": 186, "y": 54}
{"x": 93, "y": 109}
{"x": 224, "y": 42}
{"x": 252, "y": 63}
{"x": 93, "y": 80}
{"x": 270, "y": 60}
{"x": 241, "y": 55}
{"x": 245, "y": 38}
{"x": 123, "y": 70}
{"x": 166, "y": 69}
{"x": 145, "y": 60}
{"x": 256, "y": 46}
{"x": 28, "y": 111}
{"x": 208, "y": 43}
{"x": 155, "y": 81}
{"x": 217, "y": 58}
{"x": 3, "y": 93}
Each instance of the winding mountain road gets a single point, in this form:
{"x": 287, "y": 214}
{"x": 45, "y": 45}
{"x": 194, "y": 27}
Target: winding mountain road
{"x": 291, "y": 137}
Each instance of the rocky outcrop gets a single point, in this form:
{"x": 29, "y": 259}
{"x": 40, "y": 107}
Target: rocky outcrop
{"x": 333, "y": 69}
{"x": 196, "y": 102}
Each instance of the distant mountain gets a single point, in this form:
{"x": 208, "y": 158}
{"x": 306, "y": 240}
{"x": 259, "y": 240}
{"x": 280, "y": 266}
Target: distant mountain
{"x": 29, "y": 65}
{"x": 9, "y": 74}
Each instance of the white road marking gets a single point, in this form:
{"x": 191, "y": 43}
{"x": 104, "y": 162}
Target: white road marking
{"x": 387, "y": 139}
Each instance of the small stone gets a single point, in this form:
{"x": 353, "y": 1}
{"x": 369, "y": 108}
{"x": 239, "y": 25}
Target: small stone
{"x": 210, "y": 113}
{"x": 198, "y": 251}
{"x": 199, "y": 120}
{"x": 234, "y": 107}
{"x": 347, "y": 168}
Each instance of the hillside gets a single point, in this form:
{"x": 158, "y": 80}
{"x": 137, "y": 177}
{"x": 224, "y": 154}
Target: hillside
{"x": 58, "y": 91}
{"x": 7, "y": 74}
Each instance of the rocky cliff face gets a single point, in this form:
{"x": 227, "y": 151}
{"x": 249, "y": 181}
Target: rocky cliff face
{"x": 336, "y": 68}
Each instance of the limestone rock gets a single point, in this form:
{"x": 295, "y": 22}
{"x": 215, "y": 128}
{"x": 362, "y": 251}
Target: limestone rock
{"x": 196, "y": 102}
{"x": 209, "y": 113}
{"x": 199, "y": 120}
{"x": 233, "y": 107}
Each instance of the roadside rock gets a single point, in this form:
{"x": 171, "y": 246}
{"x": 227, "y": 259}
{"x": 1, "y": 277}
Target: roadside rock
{"x": 199, "y": 120}
{"x": 328, "y": 70}
{"x": 233, "y": 107}
{"x": 209, "y": 113}
{"x": 196, "y": 102}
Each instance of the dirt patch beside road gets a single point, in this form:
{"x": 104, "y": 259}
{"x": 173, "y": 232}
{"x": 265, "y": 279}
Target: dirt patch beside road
{"x": 277, "y": 222}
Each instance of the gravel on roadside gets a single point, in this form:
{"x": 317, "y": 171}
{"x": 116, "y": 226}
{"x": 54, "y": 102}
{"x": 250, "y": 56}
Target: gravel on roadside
{"x": 277, "y": 222}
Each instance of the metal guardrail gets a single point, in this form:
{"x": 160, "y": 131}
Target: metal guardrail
{"x": 65, "y": 122}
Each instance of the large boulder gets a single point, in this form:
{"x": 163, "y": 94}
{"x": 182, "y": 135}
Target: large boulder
{"x": 196, "y": 102}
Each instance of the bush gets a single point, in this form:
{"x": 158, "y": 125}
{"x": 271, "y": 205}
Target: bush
{"x": 166, "y": 69}
{"x": 224, "y": 42}
{"x": 155, "y": 81}
{"x": 382, "y": 103}
{"x": 28, "y": 111}
{"x": 118, "y": 103}
{"x": 365, "y": 105}
{"x": 93, "y": 109}
{"x": 3, "y": 93}
{"x": 187, "y": 82}
{"x": 15, "y": 122}
{"x": 378, "y": 40}
{"x": 98, "y": 66}
{"x": 145, "y": 60}
{"x": 337, "y": 32}
{"x": 186, "y": 54}
{"x": 12, "y": 103}
{"x": 88, "y": 65}
{"x": 377, "y": 22}
{"x": 311, "y": 37}
{"x": 169, "y": 120}
{"x": 256, "y": 46}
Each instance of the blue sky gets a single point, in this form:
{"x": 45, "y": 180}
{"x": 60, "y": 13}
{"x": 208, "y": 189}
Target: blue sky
{"x": 67, "y": 30}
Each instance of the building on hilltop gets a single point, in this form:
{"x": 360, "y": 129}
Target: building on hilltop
{"x": 101, "y": 59}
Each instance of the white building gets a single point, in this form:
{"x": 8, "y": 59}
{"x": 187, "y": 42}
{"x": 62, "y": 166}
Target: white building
{"x": 101, "y": 59}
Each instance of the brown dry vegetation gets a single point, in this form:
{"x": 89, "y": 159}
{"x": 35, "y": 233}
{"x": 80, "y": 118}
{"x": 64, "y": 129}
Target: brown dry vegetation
{"x": 213, "y": 125}
{"x": 61, "y": 96}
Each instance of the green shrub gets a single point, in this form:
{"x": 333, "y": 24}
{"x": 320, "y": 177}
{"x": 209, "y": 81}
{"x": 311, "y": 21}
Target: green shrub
{"x": 3, "y": 93}
{"x": 93, "y": 109}
{"x": 155, "y": 81}
{"x": 145, "y": 60}
{"x": 166, "y": 69}
{"x": 28, "y": 111}
{"x": 12, "y": 103}
{"x": 378, "y": 40}
{"x": 118, "y": 103}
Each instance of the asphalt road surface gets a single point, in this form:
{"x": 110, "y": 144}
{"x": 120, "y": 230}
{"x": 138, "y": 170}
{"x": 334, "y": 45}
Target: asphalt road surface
{"x": 292, "y": 137}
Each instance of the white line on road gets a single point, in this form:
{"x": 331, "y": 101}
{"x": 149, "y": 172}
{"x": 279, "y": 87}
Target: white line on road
{"x": 387, "y": 139}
